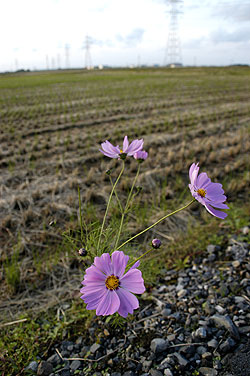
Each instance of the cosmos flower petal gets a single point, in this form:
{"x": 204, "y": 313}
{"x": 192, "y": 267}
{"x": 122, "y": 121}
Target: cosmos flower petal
{"x": 216, "y": 197}
{"x": 109, "y": 304}
{"x": 119, "y": 261}
{"x": 103, "y": 263}
{"x": 135, "y": 146}
{"x": 193, "y": 171}
{"x": 218, "y": 205}
{"x": 125, "y": 144}
{"x": 110, "y": 150}
{"x": 128, "y": 302}
{"x": 216, "y": 213}
{"x": 203, "y": 180}
{"x": 133, "y": 281}
{"x": 91, "y": 296}
{"x": 136, "y": 264}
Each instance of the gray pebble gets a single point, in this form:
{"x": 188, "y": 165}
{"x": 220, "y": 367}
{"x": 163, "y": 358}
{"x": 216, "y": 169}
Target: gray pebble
{"x": 44, "y": 369}
{"x": 94, "y": 348}
{"x": 76, "y": 364}
{"x": 226, "y": 322}
{"x": 208, "y": 371}
{"x": 158, "y": 345}
{"x": 32, "y": 366}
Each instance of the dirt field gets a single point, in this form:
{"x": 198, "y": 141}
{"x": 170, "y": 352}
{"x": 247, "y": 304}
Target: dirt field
{"x": 51, "y": 127}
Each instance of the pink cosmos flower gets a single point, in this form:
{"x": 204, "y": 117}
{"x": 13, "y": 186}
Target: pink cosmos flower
{"x": 112, "y": 151}
{"x": 207, "y": 193}
{"x": 107, "y": 289}
{"x": 141, "y": 155}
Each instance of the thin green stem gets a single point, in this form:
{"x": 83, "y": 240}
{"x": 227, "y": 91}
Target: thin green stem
{"x": 108, "y": 204}
{"x": 156, "y": 223}
{"x": 80, "y": 212}
{"x": 116, "y": 196}
{"x": 126, "y": 207}
{"x": 144, "y": 254}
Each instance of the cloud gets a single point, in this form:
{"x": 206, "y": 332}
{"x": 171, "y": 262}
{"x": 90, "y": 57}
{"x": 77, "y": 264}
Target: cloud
{"x": 237, "y": 36}
{"x": 237, "y": 12}
{"x": 131, "y": 39}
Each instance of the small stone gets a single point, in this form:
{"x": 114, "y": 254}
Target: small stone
{"x": 201, "y": 333}
{"x": 245, "y": 230}
{"x": 213, "y": 343}
{"x": 166, "y": 312}
{"x": 207, "y": 355}
{"x": 129, "y": 373}
{"x": 201, "y": 350}
{"x": 220, "y": 309}
{"x": 154, "y": 372}
{"x": 236, "y": 263}
{"x": 181, "y": 360}
{"x": 226, "y": 322}
{"x": 94, "y": 348}
{"x": 208, "y": 371}
{"x": 106, "y": 332}
{"x": 171, "y": 337}
{"x": 182, "y": 293}
{"x": 32, "y": 366}
{"x": 158, "y": 345}
{"x": 44, "y": 368}
{"x": 76, "y": 364}
{"x": 54, "y": 360}
{"x": 227, "y": 345}
{"x": 116, "y": 374}
{"x": 167, "y": 372}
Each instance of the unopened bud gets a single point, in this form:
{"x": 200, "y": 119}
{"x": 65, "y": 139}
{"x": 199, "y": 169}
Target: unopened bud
{"x": 82, "y": 252}
{"x": 156, "y": 243}
{"x": 141, "y": 156}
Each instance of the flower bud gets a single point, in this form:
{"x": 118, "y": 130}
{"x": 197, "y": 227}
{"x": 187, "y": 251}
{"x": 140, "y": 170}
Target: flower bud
{"x": 156, "y": 243}
{"x": 141, "y": 156}
{"x": 82, "y": 252}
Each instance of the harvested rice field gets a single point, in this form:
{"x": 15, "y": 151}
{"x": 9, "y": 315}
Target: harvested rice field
{"x": 51, "y": 128}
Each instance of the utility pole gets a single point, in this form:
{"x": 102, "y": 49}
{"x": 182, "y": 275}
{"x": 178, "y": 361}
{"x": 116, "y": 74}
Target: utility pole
{"x": 173, "y": 49}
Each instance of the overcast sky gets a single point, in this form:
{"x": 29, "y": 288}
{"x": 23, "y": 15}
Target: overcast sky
{"x": 34, "y": 33}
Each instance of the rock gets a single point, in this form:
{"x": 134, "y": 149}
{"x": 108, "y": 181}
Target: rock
{"x": 167, "y": 372}
{"x": 201, "y": 333}
{"x": 181, "y": 360}
{"x": 213, "y": 343}
{"x": 44, "y": 368}
{"x": 116, "y": 374}
{"x": 54, "y": 360}
{"x": 236, "y": 263}
{"x": 226, "y": 322}
{"x": 166, "y": 312}
{"x": 159, "y": 345}
{"x": 227, "y": 345}
{"x": 32, "y": 366}
{"x": 94, "y": 348}
{"x": 182, "y": 293}
{"x": 76, "y": 364}
{"x": 208, "y": 371}
{"x": 220, "y": 309}
{"x": 223, "y": 290}
{"x": 129, "y": 373}
{"x": 154, "y": 372}
{"x": 201, "y": 350}
{"x": 245, "y": 230}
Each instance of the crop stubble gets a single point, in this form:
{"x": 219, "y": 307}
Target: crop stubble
{"x": 51, "y": 128}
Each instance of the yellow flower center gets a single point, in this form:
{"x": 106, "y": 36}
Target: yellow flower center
{"x": 121, "y": 151}
{"x": 201, "y": 192}
{"x": 112, "y": 282}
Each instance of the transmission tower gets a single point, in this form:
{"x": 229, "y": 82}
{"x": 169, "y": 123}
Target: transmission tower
{"x": 67, "y": 60}
{"x": 88, "y": 61}
{"x": 173, "y": 49}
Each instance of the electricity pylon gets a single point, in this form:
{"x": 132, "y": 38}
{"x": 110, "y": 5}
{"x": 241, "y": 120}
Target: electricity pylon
{"x": 173, "y": 49}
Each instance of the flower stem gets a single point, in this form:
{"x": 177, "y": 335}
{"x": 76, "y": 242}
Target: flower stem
{"x": 126, "y": 206}
{"x": 116, "y": 196}
{"x": 144, "y": 254}
{"x": 108, "y": 204}
{"x": 156, "y": 223}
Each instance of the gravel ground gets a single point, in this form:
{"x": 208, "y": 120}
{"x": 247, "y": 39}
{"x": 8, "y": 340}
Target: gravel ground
{"x": 195, "y": 322}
